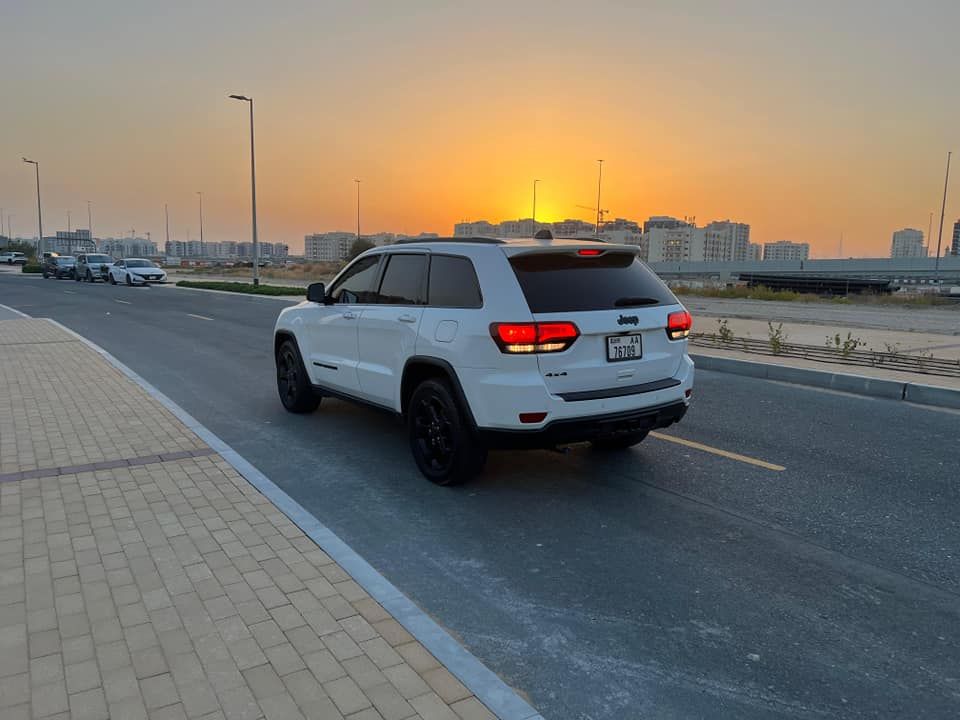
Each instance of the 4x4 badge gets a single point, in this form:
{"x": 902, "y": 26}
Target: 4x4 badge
{"x": 628, "y": 320}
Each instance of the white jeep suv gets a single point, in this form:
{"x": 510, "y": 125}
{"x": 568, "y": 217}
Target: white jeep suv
{"x": 483, "y": 343}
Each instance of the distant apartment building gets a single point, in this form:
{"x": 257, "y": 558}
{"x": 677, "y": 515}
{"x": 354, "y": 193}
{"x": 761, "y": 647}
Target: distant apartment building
{"x": 726, "y": 241}
{"x": 572, "y": 228}
{"x": 786, "y": 250}
{"x": 664, "y": 222}
{"x": 479, "y": 228}
{"x": 329, "y": 246}
{"x": 955, "y": 246}
{"x": 129, "y": 247}
{"x": 908, "y": 243}
{"x": 681, "y": 243}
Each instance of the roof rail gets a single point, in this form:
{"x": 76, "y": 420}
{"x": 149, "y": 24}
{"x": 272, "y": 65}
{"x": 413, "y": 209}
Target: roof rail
{"x": 478, "y": 239}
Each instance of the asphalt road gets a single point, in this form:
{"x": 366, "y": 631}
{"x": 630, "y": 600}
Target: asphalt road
{"x": 667, "y": 582}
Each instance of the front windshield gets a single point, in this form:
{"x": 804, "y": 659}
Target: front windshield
{"x": 140, "y": 264}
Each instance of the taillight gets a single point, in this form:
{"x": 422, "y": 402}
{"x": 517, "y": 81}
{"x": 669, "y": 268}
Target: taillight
{"x": 589, "y": 252}
{"x": 546, "y": 337}
{"x": 679, "y": 324}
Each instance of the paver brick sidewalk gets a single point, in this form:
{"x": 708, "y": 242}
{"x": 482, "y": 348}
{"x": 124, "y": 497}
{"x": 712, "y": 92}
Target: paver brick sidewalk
{"x": 142, "y": 577}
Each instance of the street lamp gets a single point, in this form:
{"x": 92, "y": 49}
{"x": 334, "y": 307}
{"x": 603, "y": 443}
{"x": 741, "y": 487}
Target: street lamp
{"x": 36, "y": 165}
{"x": 200, "y": 194}
{"x": 943, "y": 208}
{"x": 358, "y": 208}
{"x": 599, "y": 181}
{"x": 253, "y": 193}
{"x": 535, "y": 206}
{"x": 90, "y": 224}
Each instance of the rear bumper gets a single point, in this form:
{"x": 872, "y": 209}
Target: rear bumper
{"x": 572, "y": 430}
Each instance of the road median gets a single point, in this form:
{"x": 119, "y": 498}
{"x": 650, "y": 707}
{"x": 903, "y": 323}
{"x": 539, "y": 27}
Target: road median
{"x": 244, "y": 288}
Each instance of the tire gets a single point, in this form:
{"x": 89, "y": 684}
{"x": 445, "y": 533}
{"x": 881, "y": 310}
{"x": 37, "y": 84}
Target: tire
{"x": 129, "y": 281}
{"x": 89, "y": 276}
{"x": 620, "y": 442}
{"x": 293, "y": 385}
{"x": 45, "y": 274}
{"x": 444, "y": 446}
{"x": 76, "y": 276}
{"x": 113, "y": 280}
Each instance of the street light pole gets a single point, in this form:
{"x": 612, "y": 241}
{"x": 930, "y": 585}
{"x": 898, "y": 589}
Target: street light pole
{"x": 36, "y": 166}
{"x": 599, "y": 181}
{"x": 943, "y": 208}
{"x": 166, "y": 219}
{"x": 201, "y": 223}
{"x": 253, "y": 193}
{"x": 90, "y": 224}
{"x": 535, "y": 206}
{"x": 358, "y": 208}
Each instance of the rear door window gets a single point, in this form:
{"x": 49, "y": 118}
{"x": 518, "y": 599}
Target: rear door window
{"x": 403, "y": 280}
{"x": 567, "y": 282}
{"x": 453, "y": 283}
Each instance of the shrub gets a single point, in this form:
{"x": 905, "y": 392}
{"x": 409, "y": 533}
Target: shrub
{"x": 28, "y": 268}
{"x": 240, "y": 287}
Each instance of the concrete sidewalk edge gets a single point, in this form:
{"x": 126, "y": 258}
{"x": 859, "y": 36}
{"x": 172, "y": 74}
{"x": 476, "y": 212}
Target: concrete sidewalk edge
{"x": 856, "y": 384}
{"x": 500, "y": 698}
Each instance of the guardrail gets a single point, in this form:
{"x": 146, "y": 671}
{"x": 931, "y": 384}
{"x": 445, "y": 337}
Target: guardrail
{"x": 923, "y": 364}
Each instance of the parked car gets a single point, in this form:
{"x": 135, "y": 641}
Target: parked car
{"x": 483, "y": 343}
{"x": 59, "y": 266}
{"x": 135, "y": 271}
{"x": 13, "y": 258}
{"x": 93, "y": 266}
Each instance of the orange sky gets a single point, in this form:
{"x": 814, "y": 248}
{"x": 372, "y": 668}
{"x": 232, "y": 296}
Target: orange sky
{"x": 804, "y": 120}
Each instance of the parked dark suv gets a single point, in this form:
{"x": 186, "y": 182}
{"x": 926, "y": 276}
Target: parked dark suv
{"x": 59, "y": 266}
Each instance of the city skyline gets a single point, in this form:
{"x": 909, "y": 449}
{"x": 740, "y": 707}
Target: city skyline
{"x": 804, "y": 127}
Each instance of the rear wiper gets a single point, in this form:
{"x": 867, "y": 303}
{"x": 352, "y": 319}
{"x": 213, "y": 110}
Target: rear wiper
{"x": 635, "y": 301}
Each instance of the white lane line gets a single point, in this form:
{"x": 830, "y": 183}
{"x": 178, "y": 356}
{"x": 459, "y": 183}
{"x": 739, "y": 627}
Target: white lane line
{"x": 125, "y": 302}
{"x": 717, "y": 451}
{"x": 14, "y": 311}
{"x": 70, "y": 292}
{"x": 199, "y": 317}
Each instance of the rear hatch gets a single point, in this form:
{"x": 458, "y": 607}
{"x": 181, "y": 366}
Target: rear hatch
{"x": 620, "y": 308}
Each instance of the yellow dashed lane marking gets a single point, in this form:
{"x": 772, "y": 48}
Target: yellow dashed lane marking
{"x": 717, "y": 451}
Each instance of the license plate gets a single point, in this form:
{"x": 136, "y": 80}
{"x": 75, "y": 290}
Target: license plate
{"x": 624, "y": 347}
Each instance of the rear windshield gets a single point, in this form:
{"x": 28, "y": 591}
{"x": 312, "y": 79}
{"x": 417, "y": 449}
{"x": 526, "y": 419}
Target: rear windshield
{"x": 99, "y": 259}
{"x": 567, "y": 282}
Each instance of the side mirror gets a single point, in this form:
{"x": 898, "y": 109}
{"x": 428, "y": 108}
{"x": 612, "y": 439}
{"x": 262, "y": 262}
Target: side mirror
{"x": 316, "y": 293}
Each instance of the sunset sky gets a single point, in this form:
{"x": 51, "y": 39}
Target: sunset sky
{"x": 803, "y": 119}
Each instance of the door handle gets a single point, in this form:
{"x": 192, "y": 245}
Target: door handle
{"x": 407, "y": 318}
{"x": 349, "y": 315}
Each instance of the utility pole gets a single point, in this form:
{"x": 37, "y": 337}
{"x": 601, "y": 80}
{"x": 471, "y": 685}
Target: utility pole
{"x": 201, "y": 223}
{"x": 943, "y": 209}
{"x": 599, "y": 181}
{"x": 90, "y": 224}
{"x": 166, "y": 219}
{"x": 535, "y": 206}
{"x": 253, "y": 194}
{"x": 358, "y": 208}
{"x": 36, "y": 166}
{"x": 69, "y": 226}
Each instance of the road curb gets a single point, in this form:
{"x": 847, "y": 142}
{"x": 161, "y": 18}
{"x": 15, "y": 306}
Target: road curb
{"x": 487, "y": 686}
{"x": 918, "y": 393}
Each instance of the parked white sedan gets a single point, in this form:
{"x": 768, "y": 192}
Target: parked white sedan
{"x": 136, "y": 271}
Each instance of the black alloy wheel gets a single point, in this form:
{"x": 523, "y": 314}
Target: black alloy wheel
{"x": 293, "y": 385}
{"x": 443, "y": 445}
